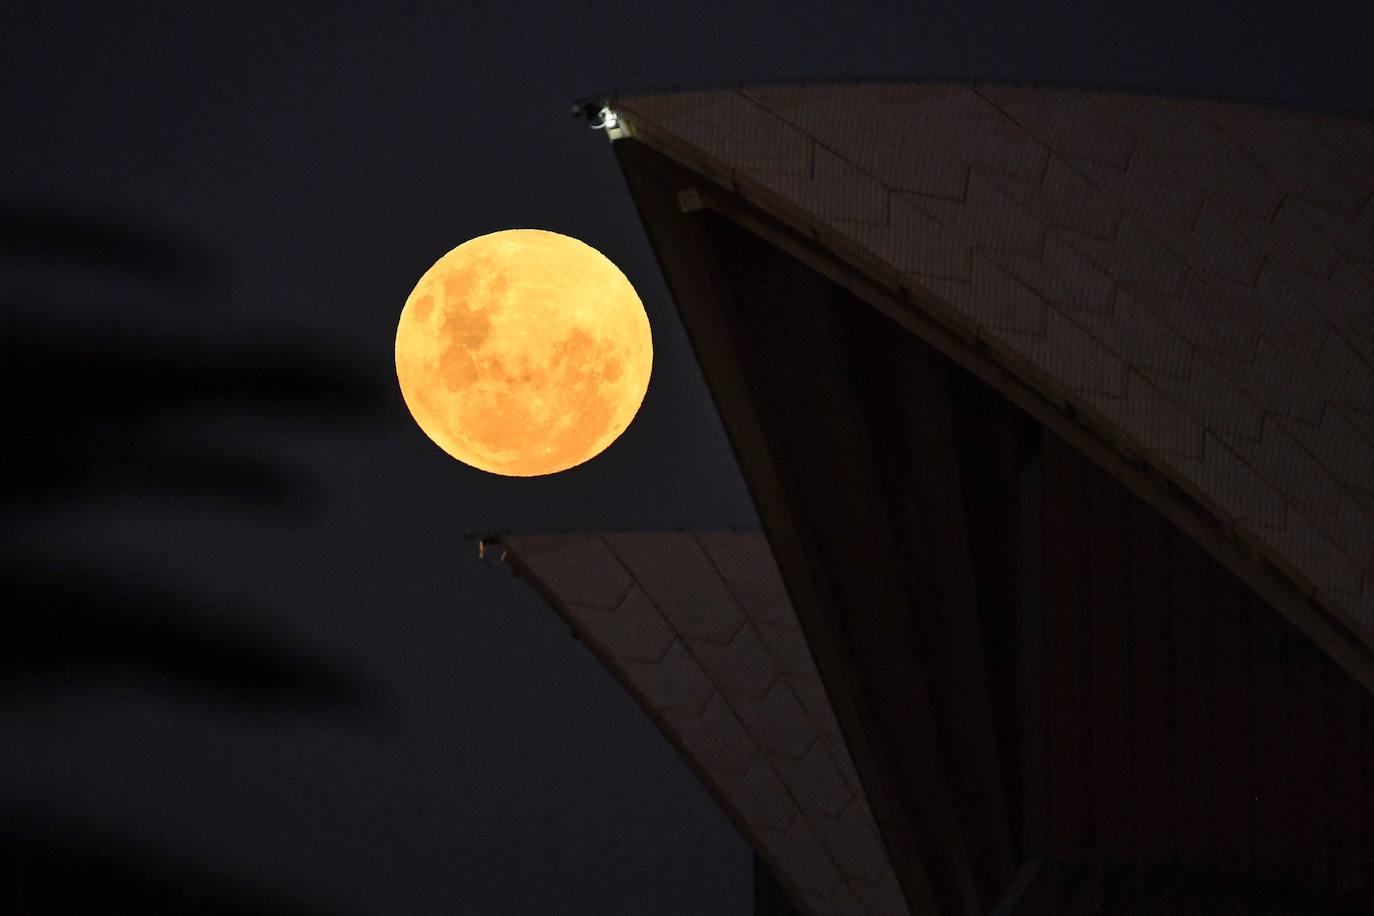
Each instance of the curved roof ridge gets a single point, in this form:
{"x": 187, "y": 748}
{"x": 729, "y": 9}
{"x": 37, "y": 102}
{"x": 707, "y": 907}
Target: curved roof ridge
{"x": 582, "y": 103}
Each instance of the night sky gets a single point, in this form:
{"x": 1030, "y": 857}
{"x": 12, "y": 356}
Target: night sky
{"x": 247, "y": 656}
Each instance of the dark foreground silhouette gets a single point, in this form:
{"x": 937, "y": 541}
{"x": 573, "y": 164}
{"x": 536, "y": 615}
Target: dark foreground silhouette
{"x": 95, "y": 408}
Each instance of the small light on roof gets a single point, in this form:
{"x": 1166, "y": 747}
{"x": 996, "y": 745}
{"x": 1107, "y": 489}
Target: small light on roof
{"x": 611, "y": 123}
{"x": 608, "y": 119}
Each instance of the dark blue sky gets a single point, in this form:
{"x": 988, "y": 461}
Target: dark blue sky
{"x": 254, "y": 650}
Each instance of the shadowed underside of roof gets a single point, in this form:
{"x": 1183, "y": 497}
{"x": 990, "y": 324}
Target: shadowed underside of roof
{"x": 1193, "y": 282}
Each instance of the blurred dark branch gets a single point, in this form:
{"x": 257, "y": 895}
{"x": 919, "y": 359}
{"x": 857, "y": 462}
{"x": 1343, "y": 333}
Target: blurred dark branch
{"x": 90, "y": 409}
{"x": 61, "y": 626}
{"x": 38, "y": 232}
{"x": 91, "y": 405}
{"x": 58, "y": 867}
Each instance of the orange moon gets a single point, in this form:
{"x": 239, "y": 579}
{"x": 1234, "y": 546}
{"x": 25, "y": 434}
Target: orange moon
{"x": 523, "y": 352}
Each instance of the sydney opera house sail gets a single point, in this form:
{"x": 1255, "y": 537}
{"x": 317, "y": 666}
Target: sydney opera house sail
{"x": 1057, "y": 408}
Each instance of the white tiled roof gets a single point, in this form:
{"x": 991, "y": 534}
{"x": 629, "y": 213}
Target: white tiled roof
{"x": 701, "y": 628}
{"x": 1197, "y": 277}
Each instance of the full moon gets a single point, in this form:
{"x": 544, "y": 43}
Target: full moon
{"x": 523, "y": 352}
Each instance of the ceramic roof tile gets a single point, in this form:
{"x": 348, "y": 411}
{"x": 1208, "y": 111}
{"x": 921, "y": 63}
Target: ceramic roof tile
{"x": 581, "y": 570}
{"x": 882, "y": 898}
{"x": 1349, "y": 138}
{"x": 715, "y": 736}
{"x": 836, "y": 189}
{"x": 728, "y": 121}
{"x": 675, "y": 683}
{"x": 1063, "y": 275}
{"x": 1341, "y": 446}
{"x": 1353, "y": 236}
{"x": 802, "y": 854}
{"x": 1348, "y": 523}
{"x": 1298, "y": 383}
{"x": 1363, "y": 343}
{"x": 895, "y": 153}
{"x": 788, "y": 647}
{"x": 1068, "y": 122}
{"x": 1184, "y": 137}
{"x": 987, "y": 219}
{"x": 848, "y": 830}
{"x": 1073, "y": 358}
{"x": 814, "y": 780}
{"x": 1146, "y": 187}
{"x": 1207, "y": 394}
{"x": 1210, "y": 246}
{"x": 1136, "y": 257}
{"x": 1199, "y": 317}
{"x": 1312, "y": 551}
{"x": 1139, "y": 336}
{"x": 1341, "y": 298}
{"x": 1287, "y": 238}
{"x": 972, "y": 127}
{"x": 812, "y": 696}
{"x": 760, "y": 795}
{"x": 1291, "y": 151}
{"x": 1275, "y": 306}
{"x": 1148, "y": 415}
{"x": 682, "y": 583}
{"x": 1282, "y": 459}
{"x": 1360, "y": 610}
{"x": 745, "y": 666}
{"x": 633, "y": 630}
{"x": 839, "y": 753}
{"x": 1359, "y": 419}
{"x": 842, "y": 902}
{"x": 1063, "y": 198}
{"x": 913, "y": 243}
{"x": 777, "y": 721}
{"x": 746, "y": 565}
{"x": 1225, "y": 477}
{"x": 994, "y": 296}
